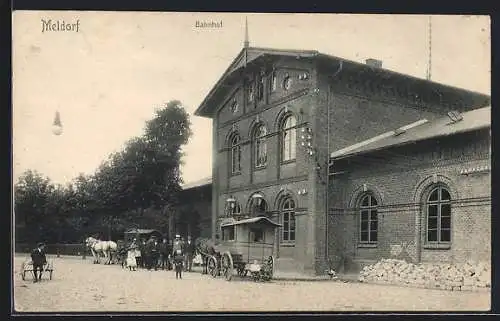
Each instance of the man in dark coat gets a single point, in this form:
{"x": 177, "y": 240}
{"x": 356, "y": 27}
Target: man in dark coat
{"x": 163, "y": 249}
{"x": 154, "y": 253}
{"x": 38, "y": 258}
{"x": 190, "y": 252}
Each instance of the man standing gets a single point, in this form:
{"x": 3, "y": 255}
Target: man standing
{"x": 178, "y": 255}
{"x": 154, "y": 253}
{"x": 190, "y": 249}
{"x": 163, "y": 254}
{"x": 39, "y": 259}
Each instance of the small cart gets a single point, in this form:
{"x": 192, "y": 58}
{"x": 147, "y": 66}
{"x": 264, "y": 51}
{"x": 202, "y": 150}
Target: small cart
{"x": 247, "y": 246}
{"x": 27, "y": 267}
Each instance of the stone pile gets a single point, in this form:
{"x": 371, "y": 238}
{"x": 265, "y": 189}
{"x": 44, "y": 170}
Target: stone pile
{"x": 457, "y": 277}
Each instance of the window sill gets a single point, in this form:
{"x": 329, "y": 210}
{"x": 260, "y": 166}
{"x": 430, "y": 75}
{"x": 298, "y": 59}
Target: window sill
{"x": 287, "y": 244}
{"x": 235, "y": 174}
{"x": 437, "y": 246}
{"x": 259, "y": 168}
{"x": 288, "y": 162}
{"x": 367, "y": 245}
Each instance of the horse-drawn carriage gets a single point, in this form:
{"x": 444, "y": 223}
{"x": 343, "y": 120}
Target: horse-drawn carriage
{"x": 27, "y": 267}
{"x": 247, "y": 246}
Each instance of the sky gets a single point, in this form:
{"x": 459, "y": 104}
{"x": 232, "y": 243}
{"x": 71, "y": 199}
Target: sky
{"x": 107, "y": 79}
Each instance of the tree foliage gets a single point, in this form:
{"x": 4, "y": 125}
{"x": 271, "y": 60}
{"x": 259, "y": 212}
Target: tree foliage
{"x": 135, "y": 186}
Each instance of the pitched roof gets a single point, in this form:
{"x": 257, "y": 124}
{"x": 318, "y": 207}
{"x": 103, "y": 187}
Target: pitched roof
{"x": 201, "y": 182}
{"x": 472, "y": 120}
{"x": 251, "y": 54}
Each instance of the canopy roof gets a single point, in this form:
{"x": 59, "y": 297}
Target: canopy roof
{"x": 446, "y": 126}
{"x": 249, "y": 221}
{"x": 142, "y": 231}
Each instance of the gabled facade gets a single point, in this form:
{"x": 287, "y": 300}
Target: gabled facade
{"x": 278, "y": 114}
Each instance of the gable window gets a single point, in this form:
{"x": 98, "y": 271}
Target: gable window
{"x": 369, "y": 220}
{"x": 260, "y": 88}
{"x": 250, "y": 92}
{"x": 235, "y": 154}
{"x": 260, "y": 146}
{"x": 273, "y": 82}
{"x": 288, "y": 138}
{"x": 288, "y": 221}
{"x": 438, "y": 207}
{"x": 234, "y": 106}
{"x": 287, "y": 82}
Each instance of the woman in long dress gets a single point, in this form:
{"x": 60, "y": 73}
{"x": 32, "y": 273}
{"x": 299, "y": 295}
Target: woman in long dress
{"x": 133, "y": 254}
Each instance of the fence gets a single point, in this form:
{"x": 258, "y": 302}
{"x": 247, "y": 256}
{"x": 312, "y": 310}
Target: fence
{"x": 57, "y": 249}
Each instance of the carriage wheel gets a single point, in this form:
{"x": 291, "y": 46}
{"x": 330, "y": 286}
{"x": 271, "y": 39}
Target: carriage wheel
{"x": 212, "y": 266}
{"x": 227, "y": 266}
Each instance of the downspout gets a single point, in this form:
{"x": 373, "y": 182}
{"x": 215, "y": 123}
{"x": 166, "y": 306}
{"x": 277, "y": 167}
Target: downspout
{"x": 327, "y": 202}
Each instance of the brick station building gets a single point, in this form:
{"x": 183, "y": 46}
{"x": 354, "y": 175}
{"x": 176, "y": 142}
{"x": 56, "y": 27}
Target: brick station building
{"x": 287, "y": 124}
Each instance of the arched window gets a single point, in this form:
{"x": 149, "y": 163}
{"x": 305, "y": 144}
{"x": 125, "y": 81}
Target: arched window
{"x": 369, "y": 219}
{"x": 438, "y": 207}
{"x": 258, "y": 205}
{"x": 235, "y": 154}
{"x": 288, "y": 221}
{"x": 288, "y": 138}
{"x": 260, "y": 146}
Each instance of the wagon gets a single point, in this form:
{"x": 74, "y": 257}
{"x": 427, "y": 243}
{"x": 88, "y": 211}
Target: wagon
{"x": 247, "y": 247}
{"x": 27, "y": 267}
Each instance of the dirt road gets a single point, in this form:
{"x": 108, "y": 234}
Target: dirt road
{"x": 80, "y": 286}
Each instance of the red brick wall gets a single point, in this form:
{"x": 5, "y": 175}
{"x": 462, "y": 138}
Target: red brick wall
{"x": 399, "y": 178}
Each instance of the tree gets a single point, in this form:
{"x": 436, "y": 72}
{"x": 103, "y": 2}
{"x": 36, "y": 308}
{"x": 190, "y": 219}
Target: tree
{"x": 32, "y": 194}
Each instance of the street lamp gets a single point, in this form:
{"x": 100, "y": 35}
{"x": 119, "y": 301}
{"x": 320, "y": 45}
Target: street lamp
{"x": 57, "y": 127}
{"x": 231, "y": 202}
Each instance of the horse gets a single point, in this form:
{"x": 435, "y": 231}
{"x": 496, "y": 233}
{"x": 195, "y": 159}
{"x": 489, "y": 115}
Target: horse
{"x": 98, "y": 247}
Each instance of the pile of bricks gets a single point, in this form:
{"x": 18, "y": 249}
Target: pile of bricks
{"x": 454, "y": 277}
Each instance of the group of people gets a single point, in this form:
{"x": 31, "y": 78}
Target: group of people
{"x": 164, "y": 255}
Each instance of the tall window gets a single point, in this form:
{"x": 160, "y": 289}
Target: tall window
{"x": 250, "y": 92}
{"x": 288, "y": 220}
{"x": 439, "y": 216}
{"x": 260, "y": 146}
{"x": 274, "y": 81}
{"x": 235, "y": 154}
{"x": 369, "y": 220}
{"x": 260, "y": 88}
{"x": 288, "y": 138}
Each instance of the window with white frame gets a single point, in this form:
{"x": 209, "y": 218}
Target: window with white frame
{"x": 438, "y": 206}
{"x": 260, "y": 146}
{"x": 288, "y": 221}
{"x": 235, "y": 154}
{"x": 368, "y": 219}
{"x": 288, "y": 138}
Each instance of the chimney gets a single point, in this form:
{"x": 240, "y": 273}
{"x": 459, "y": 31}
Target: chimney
{"x": 374, "y": 63}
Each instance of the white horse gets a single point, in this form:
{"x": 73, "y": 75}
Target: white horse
{"x": 98, "y": 247}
